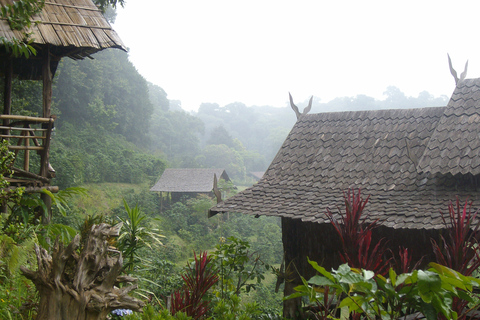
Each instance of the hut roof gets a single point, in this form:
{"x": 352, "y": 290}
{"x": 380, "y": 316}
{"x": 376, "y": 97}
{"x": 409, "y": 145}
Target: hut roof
{"x": 188, "y": 180}
{"x": 257, "y": 174}
{"x": 77, "y": 28}
{"x": 455, "y": 144}
{"x": 386, "y": 153}
{"x": 67, "y": 28}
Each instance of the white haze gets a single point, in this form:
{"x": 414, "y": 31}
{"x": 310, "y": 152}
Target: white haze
{"x": 256, "y": 52}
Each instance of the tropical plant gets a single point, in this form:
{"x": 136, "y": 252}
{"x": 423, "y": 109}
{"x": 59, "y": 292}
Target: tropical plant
{"x": 356, "y": 235}
{"x": 373, "y": 296}
{"x": 459, "y": 248}
{"x": 239, "y": 270}
{"x": 135, "y": 235}
{"x": 7, "y": 195}
{"x": 199, "y": 277}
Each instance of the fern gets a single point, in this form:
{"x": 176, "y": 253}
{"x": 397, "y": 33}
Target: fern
{"x": 12, "y": 255}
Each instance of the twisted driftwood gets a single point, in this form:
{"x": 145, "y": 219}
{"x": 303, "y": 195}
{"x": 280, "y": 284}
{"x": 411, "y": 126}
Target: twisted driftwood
{"x": 85, "y": 286}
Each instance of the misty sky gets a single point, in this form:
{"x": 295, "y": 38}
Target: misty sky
{"x": 256, "y": 52}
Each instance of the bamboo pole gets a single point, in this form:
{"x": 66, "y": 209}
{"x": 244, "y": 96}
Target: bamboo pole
{"x": 25, "y": 118}
{"x": 26, "y": 159}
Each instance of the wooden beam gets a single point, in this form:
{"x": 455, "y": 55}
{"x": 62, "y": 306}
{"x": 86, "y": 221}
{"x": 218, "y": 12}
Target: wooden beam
{"x": 47, "y": 83}
{"x": 25, "y": 148}
{"x": 22, "y": 173}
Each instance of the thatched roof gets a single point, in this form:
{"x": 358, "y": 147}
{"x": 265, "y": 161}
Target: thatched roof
{"x": 71, "y": 28}
{"x": 76, "y": 27}
{"x": 188, "y": 180}
{"x": 378, "y": 151}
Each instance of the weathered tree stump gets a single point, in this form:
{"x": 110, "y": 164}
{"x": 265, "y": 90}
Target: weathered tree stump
{"x": 85, "y": 286}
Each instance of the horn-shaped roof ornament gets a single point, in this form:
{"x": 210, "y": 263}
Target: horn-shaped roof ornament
{"x": 295, "y": 108}
{"x": 463, "y": 75}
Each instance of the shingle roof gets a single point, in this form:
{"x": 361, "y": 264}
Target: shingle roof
{"x": 75, "y": 28}
{"x": 377, "y": 151}
{"x": 455, "y": 144}
{"x": 188, "y": 180}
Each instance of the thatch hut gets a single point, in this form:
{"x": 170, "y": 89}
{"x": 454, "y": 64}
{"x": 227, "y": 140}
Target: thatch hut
{"x": 411, "y": 162}
{"x": 176, "y": 184}
{"x": 64, "y": 28}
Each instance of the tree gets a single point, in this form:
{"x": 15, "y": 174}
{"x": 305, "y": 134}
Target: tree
{"x": 221, "y": 156}
{"x": 220, "y": 136}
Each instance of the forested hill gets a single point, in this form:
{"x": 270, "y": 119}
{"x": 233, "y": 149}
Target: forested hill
{"x": 114, "y": 126}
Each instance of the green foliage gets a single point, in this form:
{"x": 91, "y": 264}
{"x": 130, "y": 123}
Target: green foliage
{"x": 91, "y": 155}
{"x": 107, "y": 91}
{"x": 233, "y": 309}
{"x": 362, "y": 292}
{"x": 19, "y": 17}
{"x": 239, "y": 270}
{"x": 221, "y": 156}
{"x": 19, "y": 13}
{"x": 179, "y": 146}
{"x": 18, "y": 48}
{"x": 135, "y": 235}
{"x": 104, "y": 4}
{"x": 149, "y": 313}
{"x": 17, "y": 294}
{"x": 6, "y": 158}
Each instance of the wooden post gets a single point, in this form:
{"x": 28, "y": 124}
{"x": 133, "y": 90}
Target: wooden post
{"x": 47, "y": 102}
{"x": 7, "y": 93}
{"x": 7, "y": 103}
{"x": 26, "y": 160}
{"x": 161, "y": 201}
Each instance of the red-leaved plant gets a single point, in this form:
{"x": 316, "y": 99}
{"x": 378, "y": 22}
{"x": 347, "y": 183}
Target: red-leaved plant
{"x": 199, "y": 278}
{"x": 356, "y": 235}
{"x": 404, "y": 263}
{"x": 459, "y": 248}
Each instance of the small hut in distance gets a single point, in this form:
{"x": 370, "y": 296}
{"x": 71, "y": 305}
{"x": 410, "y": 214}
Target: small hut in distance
{"x": 188, "y": 182}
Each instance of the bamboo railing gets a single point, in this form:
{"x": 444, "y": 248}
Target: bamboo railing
{"x": 26, "y": 134}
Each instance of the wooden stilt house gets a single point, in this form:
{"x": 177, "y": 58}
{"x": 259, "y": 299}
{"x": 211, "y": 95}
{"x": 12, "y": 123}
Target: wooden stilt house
{"x": 64, "y": 28}
{"x": 411, "y": 162}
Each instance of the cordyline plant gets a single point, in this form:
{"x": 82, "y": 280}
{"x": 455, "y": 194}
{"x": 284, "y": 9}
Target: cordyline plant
{"x": 459, "y": 248}
{"x": 199, "y": 278}
{"x": 356, "y": 235}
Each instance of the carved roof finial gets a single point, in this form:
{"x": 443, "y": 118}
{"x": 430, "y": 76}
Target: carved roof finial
{"x": 454, "y": 73}
{"x": 295, "y": 108}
